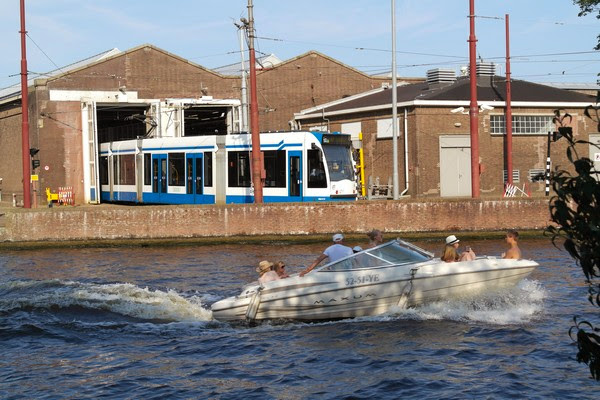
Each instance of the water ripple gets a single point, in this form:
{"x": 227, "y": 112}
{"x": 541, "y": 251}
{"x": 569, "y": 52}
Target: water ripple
{"x": 135, "y": 323}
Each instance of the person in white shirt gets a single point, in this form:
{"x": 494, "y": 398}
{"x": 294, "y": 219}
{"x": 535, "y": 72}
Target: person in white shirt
{"x": 334, "y": 252}
{"x": 266, "y": 272}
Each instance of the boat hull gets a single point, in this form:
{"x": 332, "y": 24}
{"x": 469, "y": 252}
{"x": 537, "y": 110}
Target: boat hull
{"x": 326, "y": 295}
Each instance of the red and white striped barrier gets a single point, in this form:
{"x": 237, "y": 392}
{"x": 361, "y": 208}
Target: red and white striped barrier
{"x": 65, "y": 195}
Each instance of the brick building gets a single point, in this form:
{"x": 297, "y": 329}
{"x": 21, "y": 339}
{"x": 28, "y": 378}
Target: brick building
{"x": 119, "y": 93}
{"x": 434, "y": 132}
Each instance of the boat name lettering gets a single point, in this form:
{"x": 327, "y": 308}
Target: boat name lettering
{"x": 357, "y": 280}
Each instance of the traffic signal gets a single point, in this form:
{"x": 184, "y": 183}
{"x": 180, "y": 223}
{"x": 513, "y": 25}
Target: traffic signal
{"x": 35, "y": 164}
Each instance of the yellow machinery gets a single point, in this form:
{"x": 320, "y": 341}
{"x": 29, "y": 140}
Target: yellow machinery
{"x": 52, "y": 197}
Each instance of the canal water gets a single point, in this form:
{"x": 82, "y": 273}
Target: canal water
{"x": 135, "y": 323}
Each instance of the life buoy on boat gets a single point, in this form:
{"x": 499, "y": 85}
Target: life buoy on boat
{"x": 253, "y": 305}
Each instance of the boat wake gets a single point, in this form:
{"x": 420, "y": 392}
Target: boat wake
{"x": 112, "y": 305}
{"x": 516, "y": 305}
{"x": 84, "y": 299}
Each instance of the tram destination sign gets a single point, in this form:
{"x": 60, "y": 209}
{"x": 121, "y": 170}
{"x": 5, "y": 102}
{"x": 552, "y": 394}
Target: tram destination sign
{"x": 336, "y": 139}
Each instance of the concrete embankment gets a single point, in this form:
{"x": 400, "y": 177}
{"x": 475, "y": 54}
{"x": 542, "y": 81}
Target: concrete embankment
{"x": 177, "y": 222}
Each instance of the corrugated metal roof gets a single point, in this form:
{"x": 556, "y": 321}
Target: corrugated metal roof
{"x": 235, "y": 69}
{"x": 13, "y": 92}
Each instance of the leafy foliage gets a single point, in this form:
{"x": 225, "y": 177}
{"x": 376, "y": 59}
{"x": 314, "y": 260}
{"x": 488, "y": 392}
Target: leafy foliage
{"x": 575, "y": 211}
{"x": 588, "y": 7}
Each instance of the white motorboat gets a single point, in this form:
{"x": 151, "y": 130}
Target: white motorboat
{"x": 371, "y": 282}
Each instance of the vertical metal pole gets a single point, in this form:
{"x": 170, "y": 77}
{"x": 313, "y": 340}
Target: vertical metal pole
{"x": 396, "y": 184}
{"x": 244, "y": 127}
{"x": 256, "y": 158}
{"x": 508, "y": 114}
{"x": 548, "y": 165}
{"x": 474, "y": 109}
{"x": 25, "y": 116}
{"x": 361, "y": 157}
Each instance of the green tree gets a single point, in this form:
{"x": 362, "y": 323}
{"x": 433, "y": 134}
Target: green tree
{"x": 589, "y": 7}
{"x": 575, "y": 211}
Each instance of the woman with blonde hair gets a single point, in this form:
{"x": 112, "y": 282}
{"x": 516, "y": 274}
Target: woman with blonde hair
{"x": 449, "y": 254}
{"x": 280, "y": 269}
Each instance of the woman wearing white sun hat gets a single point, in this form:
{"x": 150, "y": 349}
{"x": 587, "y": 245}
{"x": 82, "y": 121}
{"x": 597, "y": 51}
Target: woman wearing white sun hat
{"x": 451, "y": 253}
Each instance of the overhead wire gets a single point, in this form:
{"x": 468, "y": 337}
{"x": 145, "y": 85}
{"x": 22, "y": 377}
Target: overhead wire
{"x": 376, "y": 68}
{"x": 43, "y": 52}
{"x": 357, "y": 48}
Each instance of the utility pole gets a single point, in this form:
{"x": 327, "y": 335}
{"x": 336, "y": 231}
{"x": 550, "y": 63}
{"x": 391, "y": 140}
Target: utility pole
{"x": 257, "y": 168}
{"x": 474, "y": 109}
{"x": 25, "y": 116}
{"x": 508, "y": 114}
{"x": 395, "y": 179}
{"x": 244, "y": 126}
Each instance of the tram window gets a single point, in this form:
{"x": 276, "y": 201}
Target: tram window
{"x": 339, "y": 162}
{"x": 147, "y": 169}
{"x": 125, "y": 169}
{"x": 275, "y": 168}
{"x": 208, "y": 165}
{"x": 103, "y": 170}
{"x": 238, "y": 168}
{"x": 316, "y": 169}
{"x": 176, "y": 169}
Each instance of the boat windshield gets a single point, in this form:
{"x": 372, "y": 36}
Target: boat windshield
{"x": 339, "y": 162}
{"x": 392, "y": 253}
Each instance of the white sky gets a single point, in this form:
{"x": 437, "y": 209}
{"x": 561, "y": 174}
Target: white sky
{"x": 430, "y": 33}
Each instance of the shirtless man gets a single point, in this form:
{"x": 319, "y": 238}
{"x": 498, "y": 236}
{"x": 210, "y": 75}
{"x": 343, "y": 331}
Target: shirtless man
{"x": 513, "y": 252}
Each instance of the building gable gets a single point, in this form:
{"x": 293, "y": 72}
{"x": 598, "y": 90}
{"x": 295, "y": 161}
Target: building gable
{"x": 149, "y": 71}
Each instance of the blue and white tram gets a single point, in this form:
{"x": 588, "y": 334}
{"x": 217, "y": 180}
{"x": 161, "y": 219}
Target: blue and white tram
{"x": 299, "y": 166}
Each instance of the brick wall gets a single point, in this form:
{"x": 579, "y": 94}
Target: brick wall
{"x": 10, "y": 153}
{"x": 427, "y": 124}
{"x": 160, "y": 222}
{"x": 304, "y": 82}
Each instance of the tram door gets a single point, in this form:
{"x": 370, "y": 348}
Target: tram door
{"x": 159, "y": 178}
{"x": 295, "y": 177}
{"x": 195, "y": 174}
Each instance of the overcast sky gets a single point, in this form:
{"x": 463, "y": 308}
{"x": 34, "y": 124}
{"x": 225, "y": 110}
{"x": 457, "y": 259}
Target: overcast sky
{"x": 549, "y": 42}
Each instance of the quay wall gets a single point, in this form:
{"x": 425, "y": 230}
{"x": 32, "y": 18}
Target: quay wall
{"x": 191, "y": 221}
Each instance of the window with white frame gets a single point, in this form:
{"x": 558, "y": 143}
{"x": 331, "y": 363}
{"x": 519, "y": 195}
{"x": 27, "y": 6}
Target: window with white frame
{"x": 318, "y": 128}
{"x": 353, "y": 128}
{"x": 384, "y": 128}
{"x": 537, "y": 175}
{"x": 516, "y": 176}
{"x": 522, "y": 124}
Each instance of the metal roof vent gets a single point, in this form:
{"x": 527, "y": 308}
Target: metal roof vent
{"x": 441, "y": 76}
{"x": 486, "y": 68}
